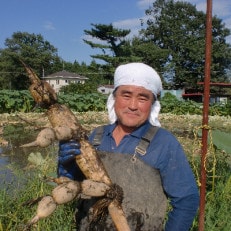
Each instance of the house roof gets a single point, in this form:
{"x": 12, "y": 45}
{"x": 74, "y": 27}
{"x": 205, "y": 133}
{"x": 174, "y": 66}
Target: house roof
{"x": 65, "y": 75}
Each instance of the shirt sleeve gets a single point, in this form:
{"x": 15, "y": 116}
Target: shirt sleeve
{"x": 179, "y": 184}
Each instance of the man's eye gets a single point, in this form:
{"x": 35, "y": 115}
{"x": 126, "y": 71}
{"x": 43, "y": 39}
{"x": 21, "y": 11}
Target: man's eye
{"x": 143, "y": 99}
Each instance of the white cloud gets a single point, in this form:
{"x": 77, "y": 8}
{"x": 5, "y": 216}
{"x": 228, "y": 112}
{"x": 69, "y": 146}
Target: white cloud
{"x": 220, "y": 8}
{"x": 130, "y": 24}
{"x": 91, "y": 39}
{"x": 127, "y": 24}
{"x": 49, "y": 26}
{"x": 144, "y": 4}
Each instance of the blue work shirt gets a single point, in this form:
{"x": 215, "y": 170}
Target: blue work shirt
{"x": 165, "y": 154}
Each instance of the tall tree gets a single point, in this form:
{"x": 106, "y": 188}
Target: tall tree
{"x": 179, "y": 27}
{"x": 150, "y": 53}
{"x": 34, "y": 50}
{"x": 115, "y": 47}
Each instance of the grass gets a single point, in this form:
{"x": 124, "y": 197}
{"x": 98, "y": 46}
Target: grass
{"x": 31, "y": 184}
{"x": 14, "y": 214}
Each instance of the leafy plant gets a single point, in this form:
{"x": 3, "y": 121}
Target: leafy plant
{"x": 21, "y": 101}
{"x": 12, "y": 101}
{"x": 84, "y": 102}
{"x": 218, "y": 198}
{"x": 171, "y": 104}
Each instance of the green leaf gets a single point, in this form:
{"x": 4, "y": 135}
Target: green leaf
{"x": 36, "y": 159}
{"x": 222, "y": 140}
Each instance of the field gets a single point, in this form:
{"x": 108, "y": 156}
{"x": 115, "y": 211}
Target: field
{"x": 187, "y": 128}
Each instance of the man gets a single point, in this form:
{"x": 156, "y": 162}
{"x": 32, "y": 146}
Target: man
{"x": 133, "y": 111}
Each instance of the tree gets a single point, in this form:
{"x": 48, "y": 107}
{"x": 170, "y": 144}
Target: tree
{"x": 180, "y": 29}
{"x": 115, "y": 47}
{"x": 79, "y": 88}
{"x": 150, "y": 53}
{"x": 34, "y": 51}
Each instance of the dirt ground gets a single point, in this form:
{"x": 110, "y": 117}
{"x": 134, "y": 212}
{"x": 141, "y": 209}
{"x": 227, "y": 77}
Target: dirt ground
{"x": 93, "y": 119}
{"x": 182, "y": 126}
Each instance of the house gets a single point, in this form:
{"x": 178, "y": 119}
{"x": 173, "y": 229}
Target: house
{"x": 105, "y": 89}
{"x": 178, "y": 93}
{"x": 63, "y": 78}
{"x": 219, "y": 97}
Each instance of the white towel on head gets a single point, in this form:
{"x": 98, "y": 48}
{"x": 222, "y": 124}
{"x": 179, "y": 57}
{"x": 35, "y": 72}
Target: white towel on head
{"x": 138, "y": 74}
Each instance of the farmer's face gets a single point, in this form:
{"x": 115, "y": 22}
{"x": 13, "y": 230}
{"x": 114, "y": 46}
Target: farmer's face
{"x": 132, "y": 105}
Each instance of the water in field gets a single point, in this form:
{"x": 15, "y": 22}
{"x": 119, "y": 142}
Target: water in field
{"x": 13, "y": 157}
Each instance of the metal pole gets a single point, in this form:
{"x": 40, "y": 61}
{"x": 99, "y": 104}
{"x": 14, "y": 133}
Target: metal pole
{"x": 208, "y": 45}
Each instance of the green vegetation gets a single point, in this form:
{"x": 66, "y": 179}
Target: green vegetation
{"x": 14, "y": 214}
{"x": 84, "y": 102}
{"x": 170, "y": 104}
{"x": 21, "y": 101}
{"x": 218, "y": 191}
{"x": 32, "y": 177}
{"x": 12, "y": 101}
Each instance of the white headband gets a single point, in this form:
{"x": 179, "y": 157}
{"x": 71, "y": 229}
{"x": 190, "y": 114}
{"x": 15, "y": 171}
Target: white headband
{"x": 138, "y": 74}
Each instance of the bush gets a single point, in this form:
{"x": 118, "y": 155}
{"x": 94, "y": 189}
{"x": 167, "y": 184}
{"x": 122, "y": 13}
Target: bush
{"x": 13, "y": 101}
{"x": 21, "y": 101}
{"x": 85, "y": 102}
{"x": 170, "y": 104}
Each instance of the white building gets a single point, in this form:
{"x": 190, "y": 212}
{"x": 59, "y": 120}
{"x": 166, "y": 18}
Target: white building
{"x": 105, "y": 89}
{"x": 63, "y": 78}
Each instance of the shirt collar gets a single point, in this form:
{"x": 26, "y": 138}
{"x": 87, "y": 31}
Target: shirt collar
{"x": 139, "y": 132}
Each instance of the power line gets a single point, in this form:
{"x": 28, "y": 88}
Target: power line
{"x": 2, "y": 72}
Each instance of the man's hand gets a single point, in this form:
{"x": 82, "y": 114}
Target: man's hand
{"x": 67, "y": 166}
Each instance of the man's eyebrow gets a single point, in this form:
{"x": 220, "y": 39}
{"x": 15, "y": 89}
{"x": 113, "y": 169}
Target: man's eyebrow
{"x": 145, "y": 95}
{"x": 140, "y": 94}
{"x": 126, "y": 91}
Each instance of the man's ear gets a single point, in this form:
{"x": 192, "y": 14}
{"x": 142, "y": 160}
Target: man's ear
{"x": 114, "y": 92}
{"x": 154, "y": 99}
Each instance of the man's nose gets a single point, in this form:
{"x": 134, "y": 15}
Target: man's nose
{"x": 133, "y": 104}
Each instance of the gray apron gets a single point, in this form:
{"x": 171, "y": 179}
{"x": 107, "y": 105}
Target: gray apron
{"x": 144, "y": 201}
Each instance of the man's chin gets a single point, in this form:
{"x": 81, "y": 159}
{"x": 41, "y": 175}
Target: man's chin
{"x": 131, "y": 124}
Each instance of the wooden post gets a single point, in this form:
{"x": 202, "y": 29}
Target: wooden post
{"x": 208, "y": 45}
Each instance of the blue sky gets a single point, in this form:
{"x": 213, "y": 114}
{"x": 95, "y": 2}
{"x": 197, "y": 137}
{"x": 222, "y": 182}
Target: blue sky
{"x": 62, "y": 22}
